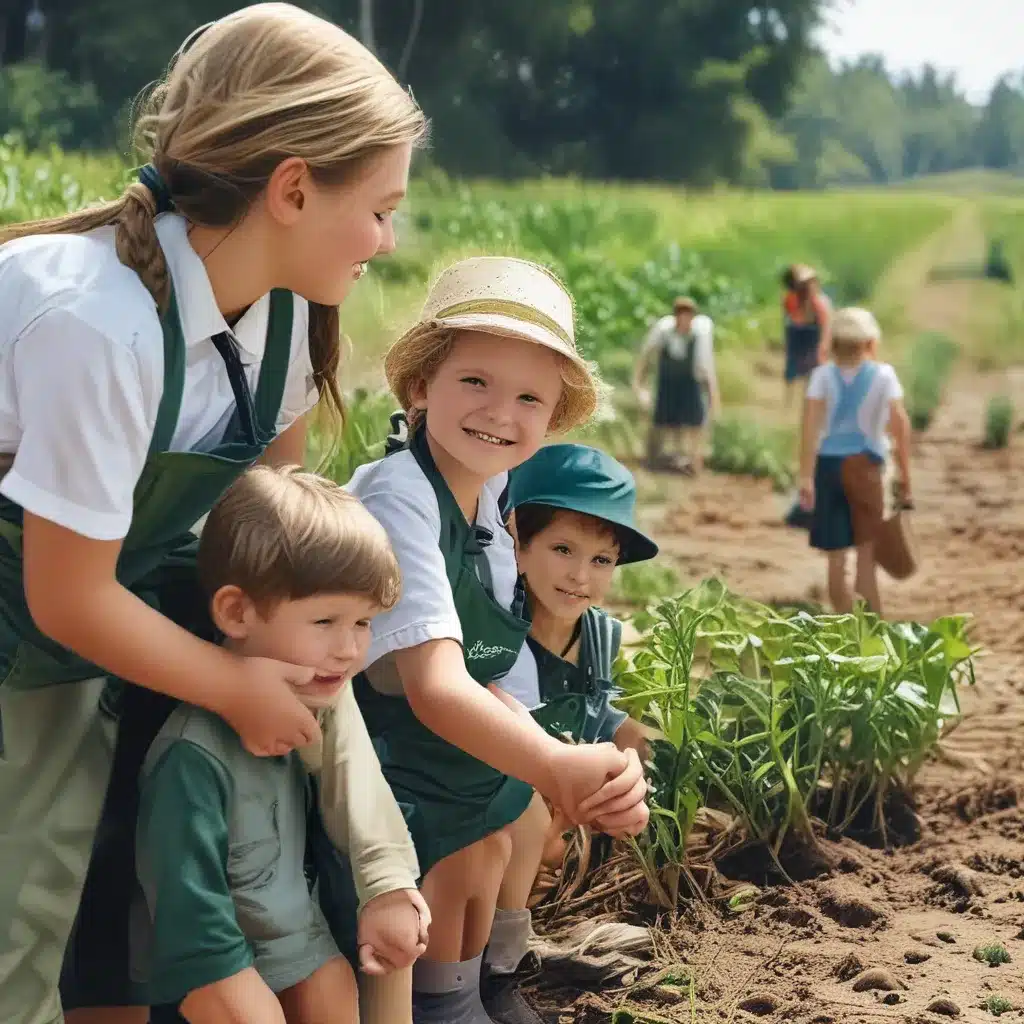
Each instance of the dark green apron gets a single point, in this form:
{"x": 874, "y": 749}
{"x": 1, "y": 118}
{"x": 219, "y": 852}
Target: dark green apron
{"x": 58, "y": 740}
{"x": 450, "y": 799}
{"x": 575, "y": 698}
{"x": 680, "y": 398}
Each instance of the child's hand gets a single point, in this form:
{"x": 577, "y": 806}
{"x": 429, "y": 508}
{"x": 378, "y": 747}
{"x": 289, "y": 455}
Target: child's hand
{"x": 619, "y": 806}
{"x": 393, "y": 931}
{"x": 580, "y": 772}
{"x": 807, "y": 495}
{"x": 630, "y": 822}
{"x": 262, "y": 708}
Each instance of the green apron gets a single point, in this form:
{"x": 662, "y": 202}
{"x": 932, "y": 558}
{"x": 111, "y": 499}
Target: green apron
{"x": 57, "y": 741}
{"x": 575, "y": 699}
{"x": 450, "y": 799}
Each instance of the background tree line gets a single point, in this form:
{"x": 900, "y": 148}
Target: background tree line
{"x": 680, "y": 90}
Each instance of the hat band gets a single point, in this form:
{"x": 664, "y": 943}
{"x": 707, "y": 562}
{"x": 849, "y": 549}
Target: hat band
{"x": 510, "y": 308}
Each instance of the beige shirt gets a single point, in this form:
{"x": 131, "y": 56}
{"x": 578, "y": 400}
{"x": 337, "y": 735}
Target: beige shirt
{"x": 358, "y": 808}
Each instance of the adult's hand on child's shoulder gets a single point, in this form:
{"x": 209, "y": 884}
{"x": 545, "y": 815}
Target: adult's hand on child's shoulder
{"x": 261, "y": 706}
{"x": 393, "y": 931}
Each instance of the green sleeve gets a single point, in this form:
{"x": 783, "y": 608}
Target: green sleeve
{"x": 182, "y": 854}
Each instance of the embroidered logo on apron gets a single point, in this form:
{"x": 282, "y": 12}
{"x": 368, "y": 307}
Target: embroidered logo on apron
{"x": 480, "y": 651}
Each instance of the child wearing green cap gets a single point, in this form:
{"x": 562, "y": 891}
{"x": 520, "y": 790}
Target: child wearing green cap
{"x": 571, "y": 510}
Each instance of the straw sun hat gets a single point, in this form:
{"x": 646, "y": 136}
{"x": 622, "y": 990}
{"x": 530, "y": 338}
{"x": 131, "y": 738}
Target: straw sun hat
{"x": 856, "y": 326}
{"x": 506, "y": 297}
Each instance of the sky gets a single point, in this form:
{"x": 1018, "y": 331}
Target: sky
{"x": 978, "y": 39}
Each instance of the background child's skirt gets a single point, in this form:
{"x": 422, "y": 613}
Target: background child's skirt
{"x": 802, "y": 342}
{"x": 849, "y": 501}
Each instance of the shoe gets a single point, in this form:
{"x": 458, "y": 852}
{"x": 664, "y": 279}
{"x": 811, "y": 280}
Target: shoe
{"x": 505, "y": 1003}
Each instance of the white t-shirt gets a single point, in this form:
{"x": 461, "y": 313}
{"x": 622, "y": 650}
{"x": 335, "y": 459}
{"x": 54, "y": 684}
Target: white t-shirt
{"x": 523, "y": 680}
{"x": 663, "y": 335}
{"x": 873, "y": 414}
{"x": 81, "y": 372}
{"x": 398, "y": 494}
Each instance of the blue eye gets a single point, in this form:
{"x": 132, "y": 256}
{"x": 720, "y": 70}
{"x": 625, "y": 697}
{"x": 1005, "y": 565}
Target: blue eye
{"x": 473, "y": 380}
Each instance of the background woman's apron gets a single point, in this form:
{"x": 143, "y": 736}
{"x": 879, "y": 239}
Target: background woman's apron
{"x": 450, "y": 799}
{"x": 680, "y": 400}
{"x": 58, "y": 740}
{"x": 575, "y": 698}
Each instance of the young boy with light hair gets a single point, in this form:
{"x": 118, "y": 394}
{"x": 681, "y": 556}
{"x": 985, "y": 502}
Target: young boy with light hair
{"x": 295, "y": 569}
{"x": 852, "y": 402}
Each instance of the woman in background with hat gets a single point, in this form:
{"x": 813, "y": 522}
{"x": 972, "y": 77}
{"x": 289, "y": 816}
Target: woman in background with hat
{"x": 806, "y": 316}
{"x": 571, "y": 511}
{"x": 487, "y": 373}
{"x": 687, "y": 385}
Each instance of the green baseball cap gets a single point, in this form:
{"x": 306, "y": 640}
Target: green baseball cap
{"x": 582, "y": 479}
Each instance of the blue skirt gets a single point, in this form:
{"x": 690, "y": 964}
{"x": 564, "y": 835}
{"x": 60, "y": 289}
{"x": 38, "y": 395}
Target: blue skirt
{"x": 802, "y": 341}
{"x": 832, "y": 519}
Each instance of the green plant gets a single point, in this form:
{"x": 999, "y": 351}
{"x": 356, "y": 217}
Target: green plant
{"x": 997, "y": 1005}
{"x": 993, "y": 954}
{"x": 643, "y": 582}
{"x": 743, "y": 447}
{"x": 997, "y": 264}
{"x": 998, "y": 422}
{"x": 367, "y": 424}
{"x": 930, "y": 361}
{"x": 778, "y": 716}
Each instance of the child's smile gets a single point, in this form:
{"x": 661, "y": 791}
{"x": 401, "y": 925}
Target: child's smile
{"x": 491, "y": 439}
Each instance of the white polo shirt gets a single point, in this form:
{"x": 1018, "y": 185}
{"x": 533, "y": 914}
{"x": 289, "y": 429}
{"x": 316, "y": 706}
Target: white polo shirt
{"x": 398, "y": 494}
{"x": 81, "y": 372}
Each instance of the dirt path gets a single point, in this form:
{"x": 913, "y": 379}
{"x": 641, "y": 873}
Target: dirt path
{"x": 914, "y": 916}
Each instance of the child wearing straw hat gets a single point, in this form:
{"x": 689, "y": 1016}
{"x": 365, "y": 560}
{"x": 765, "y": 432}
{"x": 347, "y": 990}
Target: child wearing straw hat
{"x": 852, "y": 402}
{"x": 572, "y": 512}
{"x": 488, "y": 372}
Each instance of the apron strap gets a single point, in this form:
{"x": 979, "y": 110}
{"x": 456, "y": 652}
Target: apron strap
{"x": 276, "y": 359}
{"x": 174, "y": 379}
{"x": 602, "y": 635}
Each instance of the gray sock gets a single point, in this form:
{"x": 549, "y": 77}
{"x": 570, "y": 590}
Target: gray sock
{"x": 447, "y": 993}
{"x": 510, "y": 940}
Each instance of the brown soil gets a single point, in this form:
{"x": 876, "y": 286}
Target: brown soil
{"x": 881, "y": 935}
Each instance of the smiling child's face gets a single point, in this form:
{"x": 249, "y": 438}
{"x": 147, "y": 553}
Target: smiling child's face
{"x": 326, "y": 632}
{"x": 569, "y": 564}
{"x": 490, "y": 403}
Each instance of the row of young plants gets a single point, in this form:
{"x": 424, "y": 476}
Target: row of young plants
{"x": 790, "y": 723}
{"x": 929, "y": 364}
